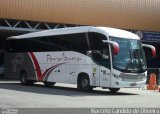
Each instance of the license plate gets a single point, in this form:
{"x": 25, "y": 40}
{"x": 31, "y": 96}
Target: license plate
{"x": 133, "y": 84}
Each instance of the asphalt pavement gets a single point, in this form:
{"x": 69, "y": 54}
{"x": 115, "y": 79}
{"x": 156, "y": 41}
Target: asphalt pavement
{"x": 13, "y": 94}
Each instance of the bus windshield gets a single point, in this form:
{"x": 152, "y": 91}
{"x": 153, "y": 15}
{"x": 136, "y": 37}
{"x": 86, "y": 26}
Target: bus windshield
{"x": 131, "y": 57}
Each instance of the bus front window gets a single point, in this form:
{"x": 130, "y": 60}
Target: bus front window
{"x": 131, "y": 57}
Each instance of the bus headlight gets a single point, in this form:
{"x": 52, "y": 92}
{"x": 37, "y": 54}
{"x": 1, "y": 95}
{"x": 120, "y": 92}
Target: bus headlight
{"x": 116, "y": 76}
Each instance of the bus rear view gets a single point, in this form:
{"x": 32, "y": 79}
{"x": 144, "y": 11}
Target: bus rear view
{"x": 87, "y": 56}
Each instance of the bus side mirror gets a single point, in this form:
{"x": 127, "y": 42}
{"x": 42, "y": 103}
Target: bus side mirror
{"x": 152, "y": 49}
{"x": 114, "y": 45}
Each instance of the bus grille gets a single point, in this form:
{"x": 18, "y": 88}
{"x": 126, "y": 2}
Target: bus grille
{"x": 132, "y": 77}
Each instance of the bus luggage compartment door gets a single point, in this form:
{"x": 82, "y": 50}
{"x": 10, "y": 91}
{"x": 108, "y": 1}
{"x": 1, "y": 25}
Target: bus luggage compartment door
{"x": 70, "y": 74}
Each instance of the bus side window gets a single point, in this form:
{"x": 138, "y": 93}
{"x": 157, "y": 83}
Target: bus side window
{"x": 74, "y": 42}
{"x": 68, "y": 42}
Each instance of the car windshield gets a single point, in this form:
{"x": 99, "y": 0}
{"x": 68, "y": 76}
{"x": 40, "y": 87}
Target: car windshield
{"x": 131, "y": 57}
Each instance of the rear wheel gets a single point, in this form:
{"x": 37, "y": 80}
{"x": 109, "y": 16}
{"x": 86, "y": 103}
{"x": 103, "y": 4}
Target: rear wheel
{"x": 84, "y": 84}
{"x": 24, "y": 80}
{"x": 114, "y": 90}
{"x": 49, "y": 83}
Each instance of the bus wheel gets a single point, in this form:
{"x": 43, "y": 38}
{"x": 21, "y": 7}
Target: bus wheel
{"x": 49, "y": 83}
{"x": 84, "y": 84}
{"x": 23, "y": 78}
{"x": 114, "y": 90}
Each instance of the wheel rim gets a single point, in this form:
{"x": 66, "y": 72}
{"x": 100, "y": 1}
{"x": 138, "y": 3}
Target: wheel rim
{"x": 85, "y": 83}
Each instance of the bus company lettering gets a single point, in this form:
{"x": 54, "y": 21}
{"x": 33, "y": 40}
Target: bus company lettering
{"x": 63, "y": 58}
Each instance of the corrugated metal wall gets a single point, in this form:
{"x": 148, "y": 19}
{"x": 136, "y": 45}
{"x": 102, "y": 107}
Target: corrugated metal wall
{"x": 127, "y": 14}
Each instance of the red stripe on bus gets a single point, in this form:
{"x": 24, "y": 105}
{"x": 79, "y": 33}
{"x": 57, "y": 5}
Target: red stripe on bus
{"x": 41, "y": 76}
{"x": 38, "y": 69}
{"x": 48, "y": 71}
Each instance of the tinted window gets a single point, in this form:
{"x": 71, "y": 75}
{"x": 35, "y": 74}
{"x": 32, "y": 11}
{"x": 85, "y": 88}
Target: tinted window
{"x": 71, "y": 42}
{"x": 100, "y": 50}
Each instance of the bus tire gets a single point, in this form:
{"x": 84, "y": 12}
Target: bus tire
{"x": 114, "y": 90}
{"x": 49, "y": 83}
{"x": 23, "y": 78}
{"x": 84, "y": 83}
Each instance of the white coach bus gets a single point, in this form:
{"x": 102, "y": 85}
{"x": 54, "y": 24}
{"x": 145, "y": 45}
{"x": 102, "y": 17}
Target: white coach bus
{"x": 87, "y": 56}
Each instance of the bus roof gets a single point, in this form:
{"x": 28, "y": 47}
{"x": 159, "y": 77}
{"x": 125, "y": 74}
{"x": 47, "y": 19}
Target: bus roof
{"x": 61, "y": 31}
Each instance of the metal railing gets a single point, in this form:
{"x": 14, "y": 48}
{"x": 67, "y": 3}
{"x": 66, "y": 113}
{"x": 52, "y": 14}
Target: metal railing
{"x": 30, "y": 26}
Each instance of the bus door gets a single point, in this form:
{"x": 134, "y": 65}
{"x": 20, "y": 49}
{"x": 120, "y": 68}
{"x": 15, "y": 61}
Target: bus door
{"x": 105, "y": 76}
{"x": 103, "y": 61}
{"x": 101, "y": 56}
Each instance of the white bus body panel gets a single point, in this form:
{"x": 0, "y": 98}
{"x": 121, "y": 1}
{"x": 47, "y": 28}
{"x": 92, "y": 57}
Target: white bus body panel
{"x": 66, "y": 66}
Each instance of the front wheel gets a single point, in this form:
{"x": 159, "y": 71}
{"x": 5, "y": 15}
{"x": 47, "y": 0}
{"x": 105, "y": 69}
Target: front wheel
{"x": 84, "y": 84}
{"x": 114, "y": 90}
